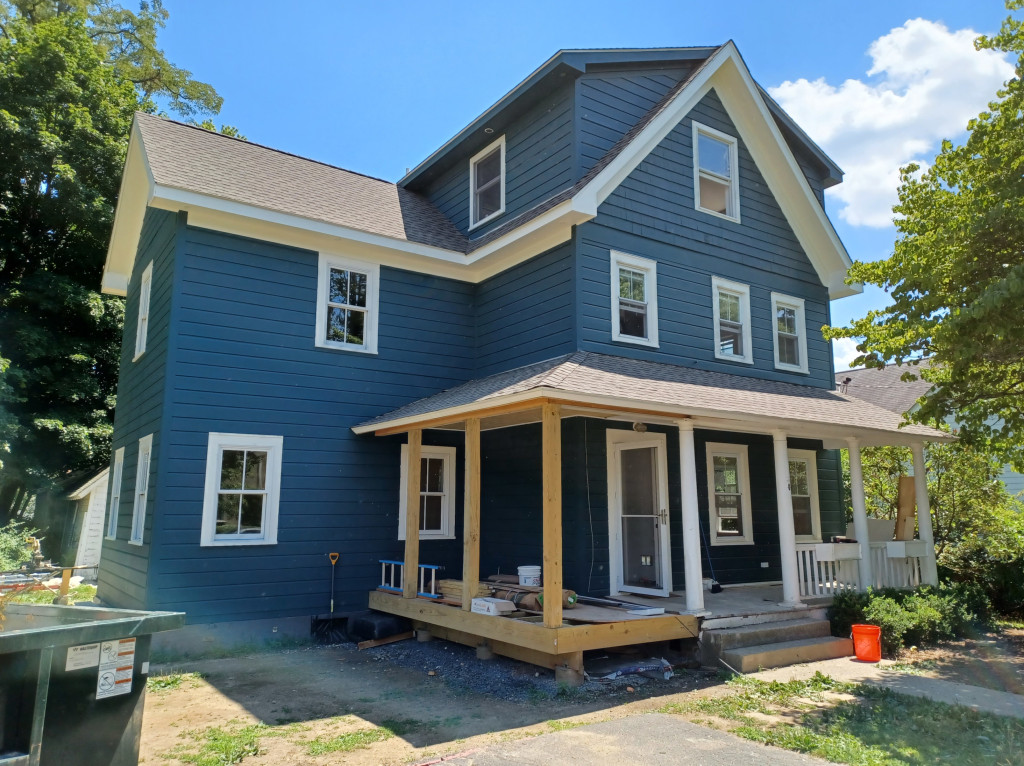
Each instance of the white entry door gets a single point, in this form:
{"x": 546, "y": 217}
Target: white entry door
{"x": 638, "y": 513}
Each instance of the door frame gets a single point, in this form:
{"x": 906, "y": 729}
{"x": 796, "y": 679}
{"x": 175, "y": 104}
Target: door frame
{"x": 616, "y": 441}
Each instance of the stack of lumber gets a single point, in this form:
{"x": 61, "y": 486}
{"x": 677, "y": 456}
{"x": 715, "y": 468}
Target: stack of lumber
{"x": 451, "y": 590}
{"x": 527, "y": 597}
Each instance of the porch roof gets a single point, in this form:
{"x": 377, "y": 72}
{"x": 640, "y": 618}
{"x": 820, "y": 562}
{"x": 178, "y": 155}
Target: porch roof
{"x": 604, "y": 385}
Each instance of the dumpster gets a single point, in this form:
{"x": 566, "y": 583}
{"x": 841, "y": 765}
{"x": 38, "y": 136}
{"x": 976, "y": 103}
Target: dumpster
{"x": 73, "y": 682}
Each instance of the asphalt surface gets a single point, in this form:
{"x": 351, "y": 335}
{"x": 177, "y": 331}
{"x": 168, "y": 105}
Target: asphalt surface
{"x": 641, "y": 740}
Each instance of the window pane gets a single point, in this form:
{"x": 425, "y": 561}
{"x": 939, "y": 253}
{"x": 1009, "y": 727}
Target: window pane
{"x": 430, "y": 513}
{"x": 227, "y": 514}
{"x": 231, "y": 464}
{"x": 435, "y": 474}
{"x": 802, "y": 516}
{"x": 726, "y": 474}
{"x": 730, "y": 338}
{"x": 633, "y": 321}
{"x": 255, "y": 470}
{"x": 357, "y": 289}
{"x": 728, "y": 506}
{"x": 488, "y": 201}
{"x": 356, "y": 322}
{"x": 488, "y": 168}
{"x": 714, "y": 196}
{"x": 338, "y": 286}
{"x": 728, "y": 307}
{"x": 785, "y": 319}
{"x": 789, "y": 350}
{"x": 798, "y": 477}
{"x": 714, "y": 156}
{"x": 632, "y": 285}
{"x": 336, "y": 324}
{"x": 252, "y": 514}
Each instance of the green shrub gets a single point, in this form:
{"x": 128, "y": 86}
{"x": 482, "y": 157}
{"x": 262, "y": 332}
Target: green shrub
{"x": 13, "y": 548}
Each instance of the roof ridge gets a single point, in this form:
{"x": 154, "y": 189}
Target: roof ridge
{"x": 264, "y": 146}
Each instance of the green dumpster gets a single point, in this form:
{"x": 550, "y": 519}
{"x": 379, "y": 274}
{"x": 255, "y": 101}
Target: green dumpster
{"x": 73, "y": 682}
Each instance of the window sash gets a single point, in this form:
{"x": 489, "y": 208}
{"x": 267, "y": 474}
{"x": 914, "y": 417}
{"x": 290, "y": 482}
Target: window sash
{"x": 437, "y": 484}
{"x": 264, "y": 473}
{"x": 115, "y": 493}
{"x": 480, "y": 186}
{"x": 142, "y": 325}
{"x": 141, "y": 490}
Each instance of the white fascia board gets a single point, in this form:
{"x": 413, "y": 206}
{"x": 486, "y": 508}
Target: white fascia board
{"x": 85, "y": 489}
{"x": 728, "y": 75}
{"x": 132, "y": 199}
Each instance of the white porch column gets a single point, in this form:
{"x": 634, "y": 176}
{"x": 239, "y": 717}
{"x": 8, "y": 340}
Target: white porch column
{"x": 929, "y": 572}
{"x": 787, "y": 531}
{"x": 693, "y": 572}
{"x": 860, "y": 513}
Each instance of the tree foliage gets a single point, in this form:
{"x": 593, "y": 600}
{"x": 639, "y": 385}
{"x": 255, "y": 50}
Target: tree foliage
{"x": 956, "y": 276}
{"x": 72, "y": 74}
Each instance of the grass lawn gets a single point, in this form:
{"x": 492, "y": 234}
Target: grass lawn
{"x": 81, "y": 592}
{"x": 857, "y": 724}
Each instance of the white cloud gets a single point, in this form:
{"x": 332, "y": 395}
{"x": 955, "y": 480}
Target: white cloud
{"x": 844, "y": 351}
{"x": 924, "y": 84}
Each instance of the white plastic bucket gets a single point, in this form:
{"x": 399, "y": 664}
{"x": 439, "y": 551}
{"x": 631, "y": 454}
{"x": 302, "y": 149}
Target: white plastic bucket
{"x": 529, "y": 575}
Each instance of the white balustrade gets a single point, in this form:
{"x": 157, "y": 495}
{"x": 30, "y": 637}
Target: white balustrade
{"x": 831, "y": 568}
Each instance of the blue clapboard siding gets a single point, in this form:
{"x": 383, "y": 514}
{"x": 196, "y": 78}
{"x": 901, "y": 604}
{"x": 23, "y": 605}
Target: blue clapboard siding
{"x": 830, "y": 484}
{"x": 245, "y": 362}
{"x": 525, "y": 314}
{"x": 124, "y": 576}
{"x": 609, "y": 103}
{"x": 538, "y": 163}
{"x": 652, "y": 215}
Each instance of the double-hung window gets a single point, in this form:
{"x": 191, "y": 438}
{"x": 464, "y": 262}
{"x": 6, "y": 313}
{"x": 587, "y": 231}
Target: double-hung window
{"x": 729, "y": 494}
{"x": 115, "y": 493}
{"x": 634, "y": 283}
{"x": 437, "y": 493}
{"x": 731, "y": 306}
{"x": 487, "y": 184}
{"x": 790, "y": 333}
{"x": 243, "y": 477}
{"x": 716, "y": 189}
{"x": 142, "y": 322}
{"x": 346, "y": 315}
{"x": 141, "y": 490}
{"x": 803, "y": 485}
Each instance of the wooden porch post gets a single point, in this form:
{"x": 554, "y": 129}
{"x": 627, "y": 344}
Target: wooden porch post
{"x": 693, "y": 573}
{"x": 551, "y": 452}
{"x": 924, "y": 516}
{"x": 471, "y": 516}
{"x": 860, "y": 513}
{"x": 411, "y": 578}
{"x": 787, "y": 529}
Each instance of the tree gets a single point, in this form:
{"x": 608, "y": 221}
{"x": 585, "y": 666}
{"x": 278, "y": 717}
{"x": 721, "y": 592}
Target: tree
{"x": 72, "y": 74}
{"x": 956, "y": 275}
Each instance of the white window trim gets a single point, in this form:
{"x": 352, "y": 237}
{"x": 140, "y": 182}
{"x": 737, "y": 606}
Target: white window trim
{"x": 734, "y": 181}
{"x": 738, "y": 451}
{"x": 812, "y": 486}
{"x": 500, "y": 143}
{"x": 448, "y": 508}
{"x": 274, "y": 447}
{"x": 145, "y": 458}
{"x": 114, "y": 506}
{"x": 372, "y": 271}
{"x": 649, "y": 268}
{"x": 778, "y": 299}
{"x": 142, "y": 322}
{"x": 743, "y": 291}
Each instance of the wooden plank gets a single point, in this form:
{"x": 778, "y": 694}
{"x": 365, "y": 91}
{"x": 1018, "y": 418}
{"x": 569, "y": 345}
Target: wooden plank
{"x": 471, "y": 515}
{"x": 551, "y": 428}
{"x": 906, "y": 504}
{"x": 542, "y": 659}
{"x": 410, "y": 582}
{"x": 645, "y": 630}
{"x": 382, "y": 641}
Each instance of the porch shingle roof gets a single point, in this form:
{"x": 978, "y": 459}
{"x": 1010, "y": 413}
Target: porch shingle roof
{"x": 706, "y": 393}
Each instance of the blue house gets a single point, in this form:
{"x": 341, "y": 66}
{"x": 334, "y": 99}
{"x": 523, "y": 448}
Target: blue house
{"x": 585, "y": 334}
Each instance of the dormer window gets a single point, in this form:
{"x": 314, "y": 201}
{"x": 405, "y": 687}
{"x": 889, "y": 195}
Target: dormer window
{"x": 487, "y": 184}
{"x": 715, "y": 172}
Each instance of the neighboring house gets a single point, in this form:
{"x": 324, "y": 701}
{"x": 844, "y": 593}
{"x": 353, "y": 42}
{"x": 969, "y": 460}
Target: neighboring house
{"x": 884, "y": 387}
{"x": 584, "y": 333}
{"x": 69, "y": 519}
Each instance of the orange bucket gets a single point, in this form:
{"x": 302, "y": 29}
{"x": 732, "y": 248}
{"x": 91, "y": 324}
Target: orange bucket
{"x": 867, "y": 643}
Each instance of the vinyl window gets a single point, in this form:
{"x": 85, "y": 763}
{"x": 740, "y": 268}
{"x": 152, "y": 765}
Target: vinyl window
{"x": 729, "y": 516}
{"x": 142, "y": 324}
{"x": 141, "y": 490}
{"x": 347, "y": 297}
{"x": 731, "y": 307}
{"x": 789, "y": 333}
{"x": 715, "y": 165}
{"x": 634, "y": 299}
{"x": 243, "y": 477}
{"x": 437, "y": 493}
{"x": 487, "y": 184}
{"x": 115, "y": 493}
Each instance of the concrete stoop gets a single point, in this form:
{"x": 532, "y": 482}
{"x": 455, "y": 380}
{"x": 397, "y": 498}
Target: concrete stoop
{"x": 772, "y": 645}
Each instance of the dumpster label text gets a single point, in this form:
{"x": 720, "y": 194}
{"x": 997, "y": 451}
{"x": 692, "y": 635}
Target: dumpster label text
{"x": 117, "y": 659}
{"x": 84, "y": 656}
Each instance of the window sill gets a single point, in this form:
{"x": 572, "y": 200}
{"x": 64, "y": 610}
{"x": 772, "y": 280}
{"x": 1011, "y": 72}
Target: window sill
{"x": 736, "y": 359}
{"x": 488, "y": 219}
{"x": 139, "y": 355}
{"x": 734, "y": 219}
{"x": 715, "y": 541}
{"x": 791, "y": 368}
{"x": 629, "y": 340}
{"x": 139, "y": 543}
{"x": 341, "y": 347}
{"x": 425, "y": 539}
{"x": 234, "y": 543}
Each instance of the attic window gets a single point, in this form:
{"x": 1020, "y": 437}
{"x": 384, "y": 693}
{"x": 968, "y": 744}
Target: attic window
{"x": 714, "y": 169}
{"x": 487, "y": 184}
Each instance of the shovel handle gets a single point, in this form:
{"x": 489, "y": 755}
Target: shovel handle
{"x": 333, "y": 557}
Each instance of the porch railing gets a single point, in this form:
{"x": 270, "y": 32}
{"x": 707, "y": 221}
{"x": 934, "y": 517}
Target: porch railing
{"x": 392, "y": 577}
{"x": 827, "y": 569}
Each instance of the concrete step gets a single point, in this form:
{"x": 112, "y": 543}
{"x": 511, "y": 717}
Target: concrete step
{"x": 750, "y": 658}
{"x": 764, "y": 633}
{"x": 716, "y": 621}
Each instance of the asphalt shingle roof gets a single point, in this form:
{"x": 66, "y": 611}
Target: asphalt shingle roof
{"x": 882, "y": 386}
{"x": 586, "y": 373}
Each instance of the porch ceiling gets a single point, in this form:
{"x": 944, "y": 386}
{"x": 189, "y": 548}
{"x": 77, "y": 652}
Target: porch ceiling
{"x": 602, "y": 385}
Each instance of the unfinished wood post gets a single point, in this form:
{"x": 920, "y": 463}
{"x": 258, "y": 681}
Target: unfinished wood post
{"x": 471, "y": 515}
{"x": 410, "y": 582}
{"x": 551, "y": 455}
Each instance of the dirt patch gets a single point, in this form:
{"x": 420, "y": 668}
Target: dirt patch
{"x": 991, "y": 660}
{"x": 397, "y": 704}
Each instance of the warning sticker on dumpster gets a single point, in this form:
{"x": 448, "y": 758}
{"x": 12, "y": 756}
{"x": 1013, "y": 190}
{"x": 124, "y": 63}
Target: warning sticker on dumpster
{"x": 117, "y": 660}
{"x": 84, "y": 656}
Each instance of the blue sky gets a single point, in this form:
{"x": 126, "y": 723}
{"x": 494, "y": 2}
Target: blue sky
{"x": 376, "y": 87}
